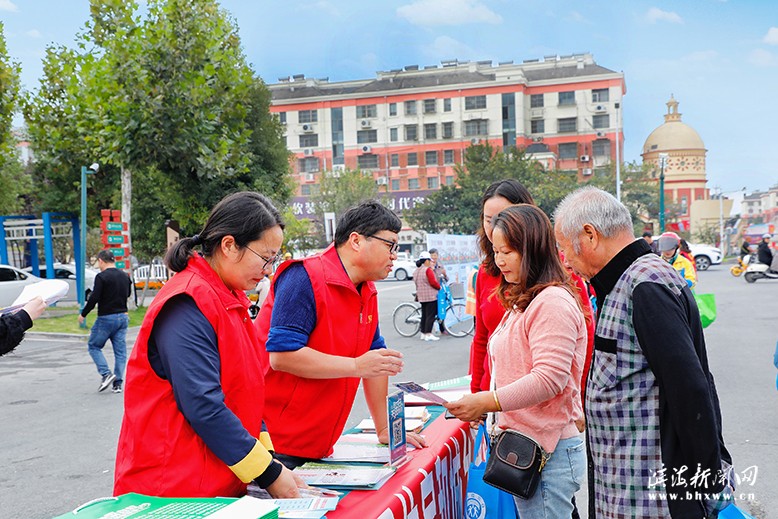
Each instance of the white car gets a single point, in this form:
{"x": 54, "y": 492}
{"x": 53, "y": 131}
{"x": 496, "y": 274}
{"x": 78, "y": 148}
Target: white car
{"x": 12, "y": 282}
{"x": 705, "y": 255}
{"x": 402, "y": 269}
{"x": 67, "y": 272}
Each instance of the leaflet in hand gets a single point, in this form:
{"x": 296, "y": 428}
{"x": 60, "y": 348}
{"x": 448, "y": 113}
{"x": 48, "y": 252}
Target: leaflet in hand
{"x": 50, "y": 290}
{"x": 412, "y": 388}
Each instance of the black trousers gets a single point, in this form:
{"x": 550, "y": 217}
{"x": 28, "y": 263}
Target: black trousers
{"x": 428, "y": 312}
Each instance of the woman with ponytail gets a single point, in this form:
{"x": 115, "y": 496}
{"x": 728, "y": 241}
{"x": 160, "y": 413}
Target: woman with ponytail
{"x": 193, "y": 413}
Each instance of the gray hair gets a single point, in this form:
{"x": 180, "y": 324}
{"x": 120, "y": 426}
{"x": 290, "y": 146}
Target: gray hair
{"x": 598, "y": 208}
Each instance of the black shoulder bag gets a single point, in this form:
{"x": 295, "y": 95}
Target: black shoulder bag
{"x": 515, "y": 464}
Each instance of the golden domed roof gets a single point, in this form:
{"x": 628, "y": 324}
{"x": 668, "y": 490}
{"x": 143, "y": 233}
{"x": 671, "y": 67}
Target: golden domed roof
{"x": 673, "y": 134}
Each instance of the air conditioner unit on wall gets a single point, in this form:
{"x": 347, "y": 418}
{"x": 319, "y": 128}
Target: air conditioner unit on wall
{"x": 600, "y": 108}
{"x": 536, "y": 113}
{"x": 475, "y": 140}
{"x": 537, "y": 139}
{"x": 381, "y": 181}
{"x": 310, "y": 177}
{"x": 366, "y": 149}
{"x": 600, "y": 134}
{"x": 584, "y": 158}
{"x": 308, "y": 152}
{"x": 339, "y": 168}
{"x": 307, "y": 128}
{"x": 587, "y": 172}
{"x": 364, "y": 123}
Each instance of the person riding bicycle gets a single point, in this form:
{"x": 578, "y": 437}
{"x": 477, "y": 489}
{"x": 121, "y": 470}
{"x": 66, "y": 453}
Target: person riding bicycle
{"x": 427, "y": 287}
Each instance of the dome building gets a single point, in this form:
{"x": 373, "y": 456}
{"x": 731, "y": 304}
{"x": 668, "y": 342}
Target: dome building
{"x": 684, "y": 165}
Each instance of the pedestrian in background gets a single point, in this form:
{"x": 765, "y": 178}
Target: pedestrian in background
{"x": 669, "y": 248}
{"x": 111, "y": 290}
{"x": 13, "y": 325}
{"x": 193, "y": 409}
{"x": 686, "y": 251}
{"x": 651, "y": 407}
{"x": 537, "y": 357}
{"x": 427, "y": 287}
{"x": 649, "y": 237}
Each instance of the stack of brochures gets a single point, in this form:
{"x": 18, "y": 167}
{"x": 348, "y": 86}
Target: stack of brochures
{"x": 139, "y": 506}
{"x": 313, "y": 503}
{"x": 351, "y": 477}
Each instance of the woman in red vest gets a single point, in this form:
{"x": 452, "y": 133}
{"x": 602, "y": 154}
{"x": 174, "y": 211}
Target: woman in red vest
{"x": 193, "y": 407}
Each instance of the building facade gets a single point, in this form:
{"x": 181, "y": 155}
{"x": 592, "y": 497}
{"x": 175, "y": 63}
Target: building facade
{"x": 409, "y": 128}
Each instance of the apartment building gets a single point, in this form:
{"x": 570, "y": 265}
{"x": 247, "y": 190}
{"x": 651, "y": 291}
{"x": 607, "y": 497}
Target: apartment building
{"x": 408, "y": 128}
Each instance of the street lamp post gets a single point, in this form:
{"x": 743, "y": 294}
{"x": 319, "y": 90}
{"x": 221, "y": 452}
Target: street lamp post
{"x": 662, "y": 161}
{"x": 82, "y": 260}
{"x": 618, "y": 161}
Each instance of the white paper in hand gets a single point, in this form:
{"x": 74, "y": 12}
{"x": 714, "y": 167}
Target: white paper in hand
{"x": 50, "y": 290}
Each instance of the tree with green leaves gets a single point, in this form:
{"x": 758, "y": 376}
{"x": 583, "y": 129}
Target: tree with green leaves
{"x": 167, "y": 99}
{"x": 337, "y": 193}
{"x": 457, "y": 209}
{"x": 14, "y": 179}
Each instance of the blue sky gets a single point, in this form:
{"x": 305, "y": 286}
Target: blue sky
{"x": 719, "y": 58}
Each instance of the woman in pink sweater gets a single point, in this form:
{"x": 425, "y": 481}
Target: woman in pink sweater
{"x": 536, "y": 357}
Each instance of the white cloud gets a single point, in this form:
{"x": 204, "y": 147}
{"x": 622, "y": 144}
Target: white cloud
{"x": 657, "y": 15}
{"x": 448, "y": 12}
{"x": 445, "y": 47}
{"x": 7, "y": 5}
{"x": 35, "y": 33}
{"x": 762, "y": 58}
{"x": 577, "y": 17}
{"x": 771, "y": 38}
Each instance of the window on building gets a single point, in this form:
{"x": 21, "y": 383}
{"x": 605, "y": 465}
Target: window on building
{"x": 431, "y": 131}
{"x": 433, "y": 183}
{"x": 413, "y": 183}
{"x": 308, "y": 165}
{"x": 430, "y": 106}
{"x": 392, "y": 108}
{"x": 367, "y": 161}
{"x": 448, "y": 156}
{"x": 413, "y": 159}
{"x": 366, "y": 136}
{"x": 448, "y": 130}
{"x": 431, "y": 158}
{"x": 568, "y": 150}
{"x": 393, "y": 134}
{"x": 476, "y": 127}
{"x": 475, "y": 102}
{"x": 309, "y": 140}
{"x": 394, "y": 159}
{"x": 305, "y": 189}
{"x": 537, "y": 126}
{"x": 536, "y": 101}
{"x": 684, "y": 205}
{"x": 447, "y": 104}
{"x": 410, "y": 108}
{"x": 367, "y": 111}
{"x": 601, "y": 121}
{"x": 307, "y": 116}
{"x": 568, "y": 124}
{"x": 566, "y": 98}
{"x": 282, "y": 117}
{"x": 600, "y": 95}
{"x": 395, "y": 184}
{"x": 411, "y": 132}
{"x": 449, "y": 180}
{"x": 601, "y": 148}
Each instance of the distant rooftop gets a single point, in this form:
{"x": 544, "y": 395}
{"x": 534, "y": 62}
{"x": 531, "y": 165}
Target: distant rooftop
{"x": 450, "y": 72}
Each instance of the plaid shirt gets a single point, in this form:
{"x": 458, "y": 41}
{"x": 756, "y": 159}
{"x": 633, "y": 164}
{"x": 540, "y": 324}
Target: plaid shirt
{"x": 624, "y": 400}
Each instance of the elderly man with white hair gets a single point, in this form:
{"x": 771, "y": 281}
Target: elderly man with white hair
{"x": 652, "y": 413}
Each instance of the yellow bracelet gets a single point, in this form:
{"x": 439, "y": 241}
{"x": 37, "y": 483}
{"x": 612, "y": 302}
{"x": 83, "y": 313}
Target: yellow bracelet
{"x": 496, "y": 402}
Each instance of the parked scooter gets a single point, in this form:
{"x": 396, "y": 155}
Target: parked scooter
{"x": 756, "y": 270}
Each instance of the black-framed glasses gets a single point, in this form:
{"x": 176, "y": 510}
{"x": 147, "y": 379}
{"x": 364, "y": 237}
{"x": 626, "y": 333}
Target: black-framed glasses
{"x": 394, "y": 247}
{"x": 274, "y": 260}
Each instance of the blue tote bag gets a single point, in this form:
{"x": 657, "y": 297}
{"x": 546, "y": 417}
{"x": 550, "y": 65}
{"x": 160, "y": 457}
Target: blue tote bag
{"x": 485, "y": 501}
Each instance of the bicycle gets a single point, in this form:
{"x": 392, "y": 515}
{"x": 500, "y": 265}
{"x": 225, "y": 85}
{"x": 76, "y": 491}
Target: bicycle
{"x": 406, "y": 318}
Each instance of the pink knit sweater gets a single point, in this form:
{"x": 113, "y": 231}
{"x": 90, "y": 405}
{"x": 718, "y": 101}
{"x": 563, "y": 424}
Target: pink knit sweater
{"x": 537, "y": 357}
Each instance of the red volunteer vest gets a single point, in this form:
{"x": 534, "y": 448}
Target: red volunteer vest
{"x": 159, "y": 453}
{"x": 304, "y": 416}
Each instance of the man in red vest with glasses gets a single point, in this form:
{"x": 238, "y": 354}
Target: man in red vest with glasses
{"x": 319, "y": 326}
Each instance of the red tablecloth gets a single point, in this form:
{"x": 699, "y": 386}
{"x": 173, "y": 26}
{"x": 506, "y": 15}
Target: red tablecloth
{"x": 432, "y": 484}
